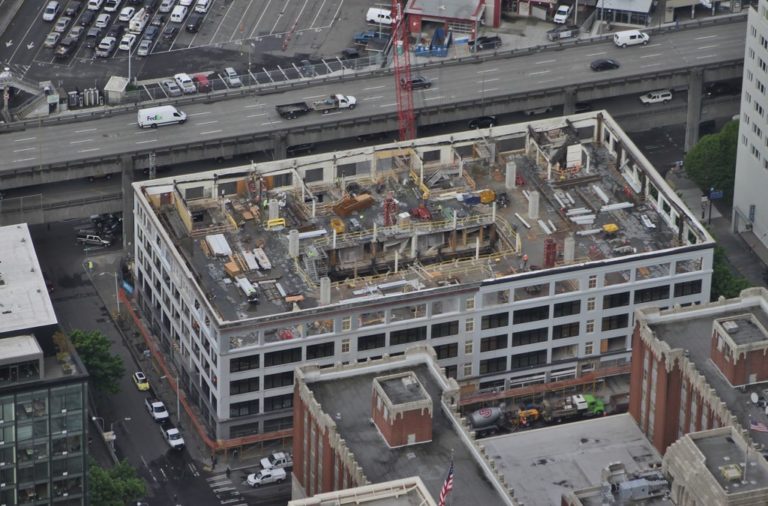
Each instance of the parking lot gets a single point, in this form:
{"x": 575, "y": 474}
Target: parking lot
{"x": 245, "y": 34}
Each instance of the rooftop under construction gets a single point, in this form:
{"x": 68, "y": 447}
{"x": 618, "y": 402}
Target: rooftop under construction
{"x": 344, "y": 227}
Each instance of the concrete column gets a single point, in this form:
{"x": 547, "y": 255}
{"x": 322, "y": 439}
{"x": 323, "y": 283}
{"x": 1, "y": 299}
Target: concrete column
{"x": 693, "y": 116}
{"x": 569, "y": 101}
{"x": 279, "y": 146}
{"x": 126, "y": 169}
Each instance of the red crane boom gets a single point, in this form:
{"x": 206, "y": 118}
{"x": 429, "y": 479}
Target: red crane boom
{"x": 405, "y": 119}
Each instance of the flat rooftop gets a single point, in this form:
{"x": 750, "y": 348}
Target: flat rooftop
{"x": 24, "y": 300}
{"x": 13, "y": 349}
{"x": 405, "y": 492}
{"x": 720, "y": 452}
{"x": 543, "y": 464}
{"x": 430, "y": 461}
{"x": 392, "y": 220}
{"x": 692, "y": 334}
{"x": 744, "y": 329}
{"x": 403, "y": 389}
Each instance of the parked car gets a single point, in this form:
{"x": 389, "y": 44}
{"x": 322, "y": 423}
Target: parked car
{"x": 150, "y": 5}
{"x": 141, "y": 381}
{"x": 151, "y": 33}
{"x": 126, "y": 43}
{"x": 364, "y": 37}
{"x": 103, "y": 20}
{"x": 202, "y": 82}
{"x": 156, "y": 409}
{"x": 266, "y": 476}
{"x": 171, "y": 88}
{"x": 111, "y": 5}
{"x": 76, "y": 33}
{"x": 350, "y": 53}
{"x": 116, "y": 31}
{"x": 416, "y": 82}
{"x": 231, "y": 77}
{"x": 185, "y": 83}
{"x": 73, "y": 8}
{"x": 126, "y": 14}
{"x": 483, "y": 122}
{"x": 87, "y": 18}
{"x": 169, "y": 32}
{"x": 92, "y": 37}
{"x": 193, "y": 22}
{"x": 604, "y": 64}
{"x": 173, "y": 437}
{"x": 106, "y": 47}
{"x": 166, "y": 6}
{"x": 62, "y": 24}
{"x": 562, "y": 13}
{"x": 486, "y": 42}
{"x": 157, "y": 21}
{"x": 51, "y": 11}
{"x": 65, "y": 49}
{"x": 51, "y": 40}
{"x": 145, "y": 46}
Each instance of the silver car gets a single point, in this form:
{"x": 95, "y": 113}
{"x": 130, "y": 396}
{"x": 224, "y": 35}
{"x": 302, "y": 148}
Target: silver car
{"x": 233, "y": 80}
{"x": 145, "y": 46}
{"x": 171, "y": 88}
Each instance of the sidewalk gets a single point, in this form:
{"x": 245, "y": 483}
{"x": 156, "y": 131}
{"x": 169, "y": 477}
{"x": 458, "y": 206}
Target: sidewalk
{"x": 237, "y": 459}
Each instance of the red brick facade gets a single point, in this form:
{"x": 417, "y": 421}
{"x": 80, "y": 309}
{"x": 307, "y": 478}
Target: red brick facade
{"x": 740, "y": 370}
{"x": 396, "y": 428}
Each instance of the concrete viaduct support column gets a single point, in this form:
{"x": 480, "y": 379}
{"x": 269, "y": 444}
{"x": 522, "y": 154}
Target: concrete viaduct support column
{"x": 280, "y": 146}
{"x": 569, "y": 101}
{"x": 126, "y": 168}
{"x": 693, "y": 116}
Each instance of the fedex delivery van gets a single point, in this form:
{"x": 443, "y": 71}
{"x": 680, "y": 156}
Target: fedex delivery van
{"x": 159, "y": 116}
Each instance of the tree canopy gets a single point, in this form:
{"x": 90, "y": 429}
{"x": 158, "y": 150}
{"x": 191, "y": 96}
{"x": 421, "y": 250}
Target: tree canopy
{"x": 712, "y": 161}
{"x": 105, "y": 368}
{"x": 724, "y": 281}
{"x": 114, "y": 487}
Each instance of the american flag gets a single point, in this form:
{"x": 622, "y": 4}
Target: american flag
{"x": 448, "y": 485}
{"x": 756, "y": 426}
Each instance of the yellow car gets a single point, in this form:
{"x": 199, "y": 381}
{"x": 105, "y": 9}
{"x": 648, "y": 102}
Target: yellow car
{"x": 141, "y": 381}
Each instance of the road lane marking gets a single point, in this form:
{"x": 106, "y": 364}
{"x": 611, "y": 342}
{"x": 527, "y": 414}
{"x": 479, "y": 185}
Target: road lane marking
{"x": 314, "y": 96}
{"x": 434, "y": 98}
{"x": 388, "y": 105}
{"x": 706, "y": 56}
{"x": 651, "y": 55}
{"x": 489, "y": 89}
{"x": 23, "y": 149}
{"x": 706, "y": 37}
{"x": 543, "y": 62}
{"x": 207, "y": 122}
{"x": 596, "y": 54}
{"x": 88, "y": 150}
{"x": 710, "y": 46}
{"x": 373, "y": 88}
{"x": 271, "y": 123}
{"x": 146, "y": 142}
{"x": 490, "y": 80}
{"x": 488, "y": 70}
{"x": 256, "y": 115}
{"x": 199, "y": 113}
{"x": 539, "y": 73}
{"x": 252, "y": 106}
{"x": 211, "y": 132}
{"x": 25, "y": 139}
{"x": 81, "y": 141}
{"x": 86, "y": 130}
{"x": 377, "y": 97}
{"x": 549, "y": 80}
{"x": 24, "y": 159}
{"x": 651, "y": 65}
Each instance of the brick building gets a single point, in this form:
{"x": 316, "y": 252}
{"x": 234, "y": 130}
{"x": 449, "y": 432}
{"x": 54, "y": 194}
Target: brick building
{"x": 697, "y": 368}
{"x": 396, "y": 419}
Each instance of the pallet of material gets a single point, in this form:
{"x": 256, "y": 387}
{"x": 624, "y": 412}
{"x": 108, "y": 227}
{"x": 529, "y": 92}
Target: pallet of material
{"x": 262, "y": 258}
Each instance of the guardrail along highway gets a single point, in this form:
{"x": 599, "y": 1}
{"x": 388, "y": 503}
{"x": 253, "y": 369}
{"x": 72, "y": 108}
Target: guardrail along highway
{"x": 58, "y": 152}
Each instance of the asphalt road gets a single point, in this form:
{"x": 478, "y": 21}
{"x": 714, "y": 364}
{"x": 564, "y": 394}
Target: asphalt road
{"x": 549, "y": 69}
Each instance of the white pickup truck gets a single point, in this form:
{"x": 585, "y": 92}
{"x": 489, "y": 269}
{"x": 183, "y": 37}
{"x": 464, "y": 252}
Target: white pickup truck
{"x": 266, "y": 476}
{"x": 173, "y": 437}
{"x": 156, "y": 409}
{"x": 278, "y": 460}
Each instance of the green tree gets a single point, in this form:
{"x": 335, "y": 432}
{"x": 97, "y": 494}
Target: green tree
{"x": 114, "y": 487}
{"x": 724, "y": 281}
{"x": 712, "y": 161}
{"x": 105, "y": 368}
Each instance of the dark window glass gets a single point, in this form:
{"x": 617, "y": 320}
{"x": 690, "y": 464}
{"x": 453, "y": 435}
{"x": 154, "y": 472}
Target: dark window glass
{"x": 243, "y": 386}
{"x": 282, "y": 357}
{"x": 244, "y": 363}
{"x": 616, "y": 300}
{"x": 445, "y": 329}
{"x": 237, "y": 409}
{"x": 493, "y": 321}
{"x": 529, "y": 337}
{"x": 278, "y": 402}
{"x": 531, "y": 314}
{"x": 618, "y": 321}
{"x": 532, "y": 359}
{"x": 371, "y": 342}
{"x": 494, "y": 342}
{"x": 688, "y": 288}
{"x": 407, "y": 336}
{"x": 491, "y": 365}
{"x": 315, "y": 351}
{"x": 652, "y": 294}
{"x": 565, "y": 330}
{"x": 282, "y": 379}
{"x": 447, "y": 351}
{"x": 567, "y": 308}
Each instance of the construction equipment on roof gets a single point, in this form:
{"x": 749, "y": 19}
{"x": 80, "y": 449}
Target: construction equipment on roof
{"x": 349, "y": 204}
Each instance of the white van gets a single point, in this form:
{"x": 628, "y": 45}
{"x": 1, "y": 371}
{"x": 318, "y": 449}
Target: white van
{"x": 656, "y": 97}
{"x": 94, "y": 5}
{"x": 202, "y": 6}
{"x": 630, "y": 38}
{"x": 159, "y": 116}
{"x": 166, "y": 6}
{"x": 379, "y": 16}
{"x": 178, "y": 14}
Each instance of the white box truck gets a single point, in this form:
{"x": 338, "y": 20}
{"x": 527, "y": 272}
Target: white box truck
{"x": 138, "y": 21}
{"x": 159, "y": 116}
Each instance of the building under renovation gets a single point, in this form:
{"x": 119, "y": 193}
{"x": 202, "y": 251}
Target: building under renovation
{"x": 519, "y": 253}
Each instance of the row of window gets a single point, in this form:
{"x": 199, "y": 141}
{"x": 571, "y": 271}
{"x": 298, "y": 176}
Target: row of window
{"x": 247, "y": 408}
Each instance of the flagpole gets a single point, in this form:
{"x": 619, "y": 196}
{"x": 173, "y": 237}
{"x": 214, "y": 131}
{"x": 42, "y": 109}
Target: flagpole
{"x": 746, "y": 457}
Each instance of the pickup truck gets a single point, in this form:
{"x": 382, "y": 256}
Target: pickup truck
{"x": 278, "y": 460}
{"x": 364, "y": 37}
{"x": 173, "y": 437}
{"x": 332, "y": 103}
{"x": 156, "y": 409}
{"x": 266, "y": 476}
